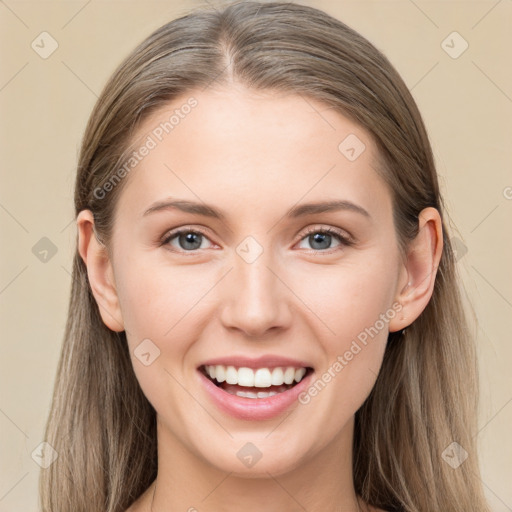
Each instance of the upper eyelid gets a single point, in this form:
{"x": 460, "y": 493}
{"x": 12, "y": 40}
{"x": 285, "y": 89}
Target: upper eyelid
{"x": 184, "y": 229}
{"x": 342, "y": 233}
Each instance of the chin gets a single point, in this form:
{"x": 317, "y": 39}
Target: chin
{"x": 256, "y": 459}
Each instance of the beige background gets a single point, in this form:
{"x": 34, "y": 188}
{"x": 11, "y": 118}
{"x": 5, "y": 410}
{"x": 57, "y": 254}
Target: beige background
{"x": 467, "y": 106}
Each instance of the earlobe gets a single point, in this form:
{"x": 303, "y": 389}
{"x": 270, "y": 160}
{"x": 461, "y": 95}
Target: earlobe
{"x": 420, "y": 269}
{"x": 99, "y": 271}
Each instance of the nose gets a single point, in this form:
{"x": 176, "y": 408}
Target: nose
{"x": 256, "y": 300}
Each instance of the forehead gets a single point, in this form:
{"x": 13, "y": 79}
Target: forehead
{"x": 246, "y": 147}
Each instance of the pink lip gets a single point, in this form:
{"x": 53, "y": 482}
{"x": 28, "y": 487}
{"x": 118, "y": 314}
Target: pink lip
{"x": 254, "y": 408}
{"x": 267, "y": 361}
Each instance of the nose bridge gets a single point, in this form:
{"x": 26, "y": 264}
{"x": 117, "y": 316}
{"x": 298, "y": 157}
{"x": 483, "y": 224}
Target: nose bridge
{"x": 256, "y": 299}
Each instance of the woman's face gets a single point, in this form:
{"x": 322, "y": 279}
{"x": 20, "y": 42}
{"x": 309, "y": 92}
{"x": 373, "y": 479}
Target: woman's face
{"x": 260, "y": 286}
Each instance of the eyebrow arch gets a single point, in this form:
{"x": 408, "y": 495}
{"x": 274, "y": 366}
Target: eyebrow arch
{"x": 329, "y": 206}
{"x": 294, "y": 212}
{"x": 186, "y": 206}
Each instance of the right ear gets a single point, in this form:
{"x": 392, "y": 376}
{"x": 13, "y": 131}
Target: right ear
{"x": 99, "y": 271}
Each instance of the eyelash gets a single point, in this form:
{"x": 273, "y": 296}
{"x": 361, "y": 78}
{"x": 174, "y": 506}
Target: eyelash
{"x": 344, "y": 239}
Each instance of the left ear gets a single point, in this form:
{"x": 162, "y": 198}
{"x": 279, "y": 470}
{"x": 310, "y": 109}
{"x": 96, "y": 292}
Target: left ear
{"x": 419, "y": 271}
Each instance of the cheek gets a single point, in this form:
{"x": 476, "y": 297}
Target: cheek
{"x": 348, "y": 298}
{"x": 160, "y": 305}
{"x": 155, "y": 297}
{"x": 354, "y": 306}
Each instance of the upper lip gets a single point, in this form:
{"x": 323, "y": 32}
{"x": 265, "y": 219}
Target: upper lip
{"x": 265, "y": 361}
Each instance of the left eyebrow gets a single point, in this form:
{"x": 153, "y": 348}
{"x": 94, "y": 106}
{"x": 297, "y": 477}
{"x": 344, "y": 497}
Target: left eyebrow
{"x": 296, "y": 211}
{"x": 329, "y": 206}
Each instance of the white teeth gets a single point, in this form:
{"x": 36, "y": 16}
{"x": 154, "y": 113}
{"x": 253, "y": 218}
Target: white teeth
{"x": 263, "y": 394}
{"x": 247, "y": 394}
{"x": 219, "y": 373}
{"x": 299, "y": 374}
{"x": 277, "y": 377}
{"x": 245, "y": 377}
{"x": 231, "y": 375}
{"x": 259, "y": 394}
{"x": 260, "y": 378}
{"x": 289, "y": 375}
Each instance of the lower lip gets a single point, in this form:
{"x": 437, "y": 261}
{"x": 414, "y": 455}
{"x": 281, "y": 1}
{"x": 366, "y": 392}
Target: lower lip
{"x": 253, "y": 408}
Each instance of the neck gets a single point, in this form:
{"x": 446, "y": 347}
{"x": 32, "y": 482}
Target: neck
{"x": 188, "y": 482}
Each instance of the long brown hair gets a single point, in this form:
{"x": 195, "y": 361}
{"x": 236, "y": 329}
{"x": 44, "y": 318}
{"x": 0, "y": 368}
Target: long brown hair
{"x": 425, "y": 397}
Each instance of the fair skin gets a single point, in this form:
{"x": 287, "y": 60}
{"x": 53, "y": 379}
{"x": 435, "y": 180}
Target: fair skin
{"x": 254, "y": 155}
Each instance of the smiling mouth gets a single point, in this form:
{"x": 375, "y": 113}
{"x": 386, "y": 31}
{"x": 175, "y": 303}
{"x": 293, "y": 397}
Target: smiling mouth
{"x": 254, "y": 383}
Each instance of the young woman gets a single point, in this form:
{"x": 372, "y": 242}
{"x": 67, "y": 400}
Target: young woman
{"x": 265, "y": 311}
